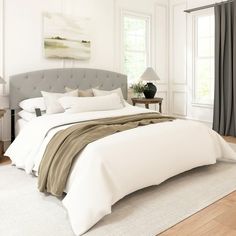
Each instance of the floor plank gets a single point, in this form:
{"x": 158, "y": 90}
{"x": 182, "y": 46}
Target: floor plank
{"x": 213, "y": 228}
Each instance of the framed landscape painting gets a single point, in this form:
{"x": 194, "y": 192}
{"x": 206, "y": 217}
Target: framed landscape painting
{"x": 66, "y": 37}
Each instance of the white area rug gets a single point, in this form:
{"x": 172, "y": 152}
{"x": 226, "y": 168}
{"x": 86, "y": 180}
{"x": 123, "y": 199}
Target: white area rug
{"x": 24, "y": 211}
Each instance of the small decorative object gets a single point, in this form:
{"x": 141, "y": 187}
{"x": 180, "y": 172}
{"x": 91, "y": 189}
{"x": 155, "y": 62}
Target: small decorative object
{"x": 66, "y": 37}
{"x": 149, "y": 89}
{"x": 138, "y": 88}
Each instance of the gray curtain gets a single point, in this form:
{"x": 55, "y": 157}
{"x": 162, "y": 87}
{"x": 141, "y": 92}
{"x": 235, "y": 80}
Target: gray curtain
{"x": 224, "y": 121}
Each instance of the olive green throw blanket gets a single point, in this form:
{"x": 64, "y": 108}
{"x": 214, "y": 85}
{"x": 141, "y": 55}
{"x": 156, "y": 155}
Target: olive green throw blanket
{"x": 65, "y": 146}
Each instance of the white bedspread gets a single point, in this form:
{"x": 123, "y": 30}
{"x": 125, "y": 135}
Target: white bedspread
{"x": 20, "y": 124}
{"x": 114, "y": 166}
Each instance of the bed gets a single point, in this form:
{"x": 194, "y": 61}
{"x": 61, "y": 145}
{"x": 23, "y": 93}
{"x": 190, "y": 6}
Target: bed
{"x": 114, "y": 166}
{"x": 29, "y": 85}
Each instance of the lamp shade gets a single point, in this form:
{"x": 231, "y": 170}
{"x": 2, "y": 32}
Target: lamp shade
{"x": 149, "y": 75}
{"x": 2, "y": 81}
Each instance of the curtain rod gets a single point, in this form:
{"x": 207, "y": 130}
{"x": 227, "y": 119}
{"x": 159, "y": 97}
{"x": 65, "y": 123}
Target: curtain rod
{"x": 207, "y": 6}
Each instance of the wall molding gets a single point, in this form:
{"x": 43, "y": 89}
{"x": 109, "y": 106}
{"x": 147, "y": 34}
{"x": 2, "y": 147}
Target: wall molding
{"x": 2, "y": 47}
{"x": 174, "y": 93}
{"x": 3, "y": 121}
{"x": 173, "y": 6}
{"x": 165, "y": 81}
{"x": 165, "y": 99}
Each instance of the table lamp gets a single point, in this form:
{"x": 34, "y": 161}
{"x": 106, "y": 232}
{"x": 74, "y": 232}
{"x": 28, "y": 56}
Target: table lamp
{"x": 150, "y": 89}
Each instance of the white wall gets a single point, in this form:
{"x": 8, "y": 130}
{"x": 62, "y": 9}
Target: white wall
{"x": 177, "y": 62}
{"x": 23, "y": 37}
{"x": 1, "y": 55}
{"x": 161, "y": 51}
{"x": 23, "y": 44}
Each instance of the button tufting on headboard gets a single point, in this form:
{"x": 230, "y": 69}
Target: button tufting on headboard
{"x": 29, "y": 85}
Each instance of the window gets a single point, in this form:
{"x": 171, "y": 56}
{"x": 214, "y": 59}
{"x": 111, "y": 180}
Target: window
{"x": 136, "y": 52}
{"x": 204, "y": 59}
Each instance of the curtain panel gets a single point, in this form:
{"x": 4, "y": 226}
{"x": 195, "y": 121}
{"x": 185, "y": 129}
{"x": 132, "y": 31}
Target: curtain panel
{"x": 224, "y": 120}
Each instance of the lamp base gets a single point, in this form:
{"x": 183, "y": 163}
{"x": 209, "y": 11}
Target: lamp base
{"x": 150, "y": 90}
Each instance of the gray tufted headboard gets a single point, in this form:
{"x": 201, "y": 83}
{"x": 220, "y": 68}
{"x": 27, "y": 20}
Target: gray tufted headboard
{"x": 30, "y": 84}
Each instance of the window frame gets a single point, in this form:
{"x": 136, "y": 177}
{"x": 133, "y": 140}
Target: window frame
{"x": 195, "y": 101}
{"x": 136, "y": 15}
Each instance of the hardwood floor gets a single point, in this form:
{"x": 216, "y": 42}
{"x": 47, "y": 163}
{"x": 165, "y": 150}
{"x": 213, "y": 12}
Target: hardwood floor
{"x": 218, "y": 219}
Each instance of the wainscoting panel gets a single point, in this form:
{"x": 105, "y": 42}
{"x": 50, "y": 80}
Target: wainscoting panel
{"x": 179, "y": 43}
{"x": 178, "y": 78}
{"x": 161, "y": 41}
{"x": 179, "y": 103}
{"x": 164, "y": 95}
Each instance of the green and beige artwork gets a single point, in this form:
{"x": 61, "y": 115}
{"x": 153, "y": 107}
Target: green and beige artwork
{"x": 66, "y": 37}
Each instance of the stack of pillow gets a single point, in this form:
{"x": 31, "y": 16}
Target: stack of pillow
{"x": 28, "y": 107}
{"x": 73, "y": 101}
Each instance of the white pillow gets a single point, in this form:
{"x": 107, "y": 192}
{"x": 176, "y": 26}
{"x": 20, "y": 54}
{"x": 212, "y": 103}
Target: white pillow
{"x": 85, "y": 104}
{"x": 28, "y": 116}
{"x": 51, "y": 100}
{"x": 32, "y": 103}
{"x": 98, "y": 92}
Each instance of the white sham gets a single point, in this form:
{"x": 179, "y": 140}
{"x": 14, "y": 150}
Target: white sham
{"x": 86, "y": 104}
{"x": 30, "y": 104}
{"x": 51, "y": 100}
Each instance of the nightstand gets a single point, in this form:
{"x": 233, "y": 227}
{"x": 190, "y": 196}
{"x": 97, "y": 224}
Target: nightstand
{"x": 2, "y": 112}
{"x": 148, "y": 101}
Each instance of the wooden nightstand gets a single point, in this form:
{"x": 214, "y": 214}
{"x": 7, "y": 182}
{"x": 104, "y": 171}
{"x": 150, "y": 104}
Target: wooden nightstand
{"x": 2, "y": 112}
{"x": 148, "y": 101}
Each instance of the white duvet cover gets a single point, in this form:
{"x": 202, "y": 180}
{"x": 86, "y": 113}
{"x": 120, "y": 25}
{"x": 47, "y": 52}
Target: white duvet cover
{"x": 20, "y": 124}
{"x": 114, "y": 166}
